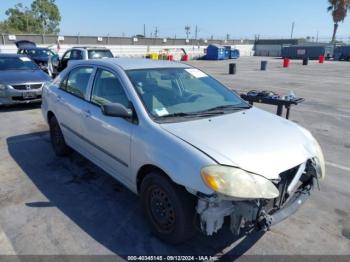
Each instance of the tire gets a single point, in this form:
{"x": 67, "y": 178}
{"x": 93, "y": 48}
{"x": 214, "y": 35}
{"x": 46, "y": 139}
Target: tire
{"x": 57, "y": 140}
{"x": 169, "y": 208}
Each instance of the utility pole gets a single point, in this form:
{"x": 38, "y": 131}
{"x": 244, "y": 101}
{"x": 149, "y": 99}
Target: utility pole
{"x": 144, "y": 30}
{"x": 317, "y": 37}
{"x": 156, "y": 32}
{"x": 187, "y": 29}
{"x": 196, "y": 33}
{"x": 292, "y": 32}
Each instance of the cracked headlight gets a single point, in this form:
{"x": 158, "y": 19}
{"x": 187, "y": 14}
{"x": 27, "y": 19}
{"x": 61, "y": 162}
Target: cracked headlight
{"x": 237, "y": 183}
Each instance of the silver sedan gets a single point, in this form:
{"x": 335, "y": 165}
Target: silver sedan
{"x": 192, "y": 149}
{"x": 21, "y": 80}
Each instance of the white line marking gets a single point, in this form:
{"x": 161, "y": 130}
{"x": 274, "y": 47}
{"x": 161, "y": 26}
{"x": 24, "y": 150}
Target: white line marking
{"x": 338, "y": 166}
{"x": 6, "y": 247}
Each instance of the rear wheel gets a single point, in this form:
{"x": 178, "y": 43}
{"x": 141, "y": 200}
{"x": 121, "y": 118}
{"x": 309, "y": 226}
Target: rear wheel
{"x": 169, "y": 208}
{"x": 57, "y": 140}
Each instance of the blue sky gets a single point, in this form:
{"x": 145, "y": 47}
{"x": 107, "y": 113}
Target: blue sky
{"x": 244, "y": 18}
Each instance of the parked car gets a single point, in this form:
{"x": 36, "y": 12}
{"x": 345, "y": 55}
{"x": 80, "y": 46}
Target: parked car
{"x": 21, "y": 80}
{"x": 83, "y": 53}
{"x": 189, "y": 146}
{"x": 39, "y": 55}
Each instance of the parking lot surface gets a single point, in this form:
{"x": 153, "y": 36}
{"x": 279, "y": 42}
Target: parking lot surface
{"x": 51, "y": 205}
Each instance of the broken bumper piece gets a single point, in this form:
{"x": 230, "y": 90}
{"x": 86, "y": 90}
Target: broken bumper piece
{"x": 261, "y": 214}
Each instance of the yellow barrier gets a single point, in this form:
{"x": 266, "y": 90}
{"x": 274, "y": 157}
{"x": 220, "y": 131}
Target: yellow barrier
{"x": 154, "y": 56}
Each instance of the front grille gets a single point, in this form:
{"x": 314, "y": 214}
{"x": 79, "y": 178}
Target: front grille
{"x": 20, "y": 98}
{"x": 27, "y": 87}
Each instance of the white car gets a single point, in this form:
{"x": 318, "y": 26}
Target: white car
{"x": 82, "y": 53}
{"x": 192, "y": 149}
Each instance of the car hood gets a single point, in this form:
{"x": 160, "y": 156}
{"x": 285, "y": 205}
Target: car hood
{"x": 10, "y": 77}
{"x": 253, "y": 140}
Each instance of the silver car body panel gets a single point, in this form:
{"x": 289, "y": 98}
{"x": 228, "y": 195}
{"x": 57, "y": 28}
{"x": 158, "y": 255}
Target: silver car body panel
{"x": 253, "y": 140}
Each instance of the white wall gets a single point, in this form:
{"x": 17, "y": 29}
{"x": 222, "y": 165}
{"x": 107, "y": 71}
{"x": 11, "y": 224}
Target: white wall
{"x": 141, "y": 50}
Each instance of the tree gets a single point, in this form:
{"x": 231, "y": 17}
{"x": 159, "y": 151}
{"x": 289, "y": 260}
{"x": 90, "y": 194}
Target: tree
{"x": 339, "y": 9}
{"x": 42, "y": 18}
{"x": 47, "y": 12}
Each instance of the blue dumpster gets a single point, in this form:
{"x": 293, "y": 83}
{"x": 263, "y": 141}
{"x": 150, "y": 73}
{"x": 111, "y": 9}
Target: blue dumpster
{"x": 342, "y": 53}
{"x": 234, "y": 54}
{"x": 215, "y": 52}
{"x": 227, "y": 52}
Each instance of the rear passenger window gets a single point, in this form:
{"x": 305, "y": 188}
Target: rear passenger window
{"x": 77, "y": 81}
{"x": 108, "y": 89}
{"x": 76, "y": 55}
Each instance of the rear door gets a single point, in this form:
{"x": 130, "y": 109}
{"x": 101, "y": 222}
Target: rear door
{"x": 109, "y": 137}
{"x": 71, "y": 104}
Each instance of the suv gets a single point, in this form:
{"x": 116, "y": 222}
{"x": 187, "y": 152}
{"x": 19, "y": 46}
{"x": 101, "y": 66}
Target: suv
{"x": 83, "y": 53}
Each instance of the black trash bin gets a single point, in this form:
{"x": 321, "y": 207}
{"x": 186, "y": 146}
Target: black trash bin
{"x": 305, "y": 61}
{"x": 232, "y": 69}
{"x": 263, "y": 66}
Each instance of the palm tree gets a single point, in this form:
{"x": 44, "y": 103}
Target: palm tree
{"x": 339, "y": 9}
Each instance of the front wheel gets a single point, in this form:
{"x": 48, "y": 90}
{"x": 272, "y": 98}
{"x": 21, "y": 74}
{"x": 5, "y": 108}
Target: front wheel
{"x": 57, "y": 140}
{"x": 169, "y": 208}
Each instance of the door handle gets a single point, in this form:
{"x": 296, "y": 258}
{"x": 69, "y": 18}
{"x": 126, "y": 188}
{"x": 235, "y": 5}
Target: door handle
{"x": 87, "y": 113}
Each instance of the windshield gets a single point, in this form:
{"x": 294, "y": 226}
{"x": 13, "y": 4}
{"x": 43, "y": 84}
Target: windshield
{"x": 180, "y": 92}
{"x": 40, "y": 53}
{"x": 97, "y": 54}
{"x": 17, "y": 63}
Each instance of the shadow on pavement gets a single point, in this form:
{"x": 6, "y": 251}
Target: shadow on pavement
{"x": 19, "y": 107}
{"x": 104, "y": 209}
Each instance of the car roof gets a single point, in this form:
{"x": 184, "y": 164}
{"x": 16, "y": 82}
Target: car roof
{"x": 34, "y": 48}
{"x": 134, "y": 63}
{"x": 90, "y": 47}
{"x": 11, "y": 55}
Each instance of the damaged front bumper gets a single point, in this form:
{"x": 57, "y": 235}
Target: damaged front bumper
{"x": 295, "y": 188}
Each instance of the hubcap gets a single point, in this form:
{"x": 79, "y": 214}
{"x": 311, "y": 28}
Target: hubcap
{"x": 161, "y": 208}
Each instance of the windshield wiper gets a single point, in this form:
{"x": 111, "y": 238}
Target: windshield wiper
{"x": 194, "y": 114}
{"x": 231, "y": 107}
{"x": 180, "y": 114}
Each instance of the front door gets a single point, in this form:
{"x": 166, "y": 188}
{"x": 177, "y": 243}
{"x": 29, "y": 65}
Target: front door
{"x": 110, "y": 136}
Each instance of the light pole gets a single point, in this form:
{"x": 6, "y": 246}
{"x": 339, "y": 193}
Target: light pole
{"x": 292, "y": 31}
{"x": 187, "y": 29}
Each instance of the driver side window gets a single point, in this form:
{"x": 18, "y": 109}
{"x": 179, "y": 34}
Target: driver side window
{"x": 108, "y": 89}
{"x": 66, "y": 56}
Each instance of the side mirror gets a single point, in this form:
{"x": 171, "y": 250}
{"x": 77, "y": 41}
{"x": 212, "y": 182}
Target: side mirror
{"x": 116, "y": 110}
